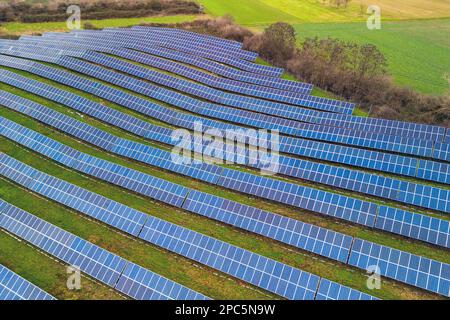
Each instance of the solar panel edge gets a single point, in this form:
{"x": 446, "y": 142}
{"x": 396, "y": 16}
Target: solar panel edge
{"x": 26, "y": 291}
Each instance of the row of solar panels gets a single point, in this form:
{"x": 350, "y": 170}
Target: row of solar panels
{"x": 234, "y": 47}
{"x": 196, "y": 48}
{"x": 198, "y": 43}
{"x": 265, "y": 273}
{"x": 411, "y": 269}
{"x": 398, "y": 190}
{"x": 350, "y": 209}
{"x": 112, "y": 270}
{"x": 397, "y": 164}
{"x": 225, "y": 43}
{"x": 14, "y": 287}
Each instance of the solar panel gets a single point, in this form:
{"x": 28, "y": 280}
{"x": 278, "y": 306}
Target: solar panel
{"x": 434, "y": 171}
{"x": 329, "y": 290}
{"x": 413, "y": 225}
{"x": 408, "y": 268}
{"x": 305, "y": 236}
{"x": 14, "y": 287}
{"x": 89, "y": 258}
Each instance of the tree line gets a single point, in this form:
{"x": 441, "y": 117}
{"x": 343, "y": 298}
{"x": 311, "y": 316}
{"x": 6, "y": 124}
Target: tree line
{"x": 94, "y": 9}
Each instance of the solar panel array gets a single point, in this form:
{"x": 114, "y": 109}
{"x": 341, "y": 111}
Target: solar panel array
{"x": 391, "y": 127}
{"x": 209, "y": 65}
{"x": 426, "y": 227}
{"x": 14, "y": 287}
{"x": 205, "y": 51}
{"x": 342, "y": 207}
{"x": 266, "y": 273}
{"x": 240, "y": 101}
{"x": 424, "y": 196}
{"x": 256, "y": 97}
{"x": 275, "y": 277}
{"x": 92, "y": 260}
{"x": 331, "y": 152}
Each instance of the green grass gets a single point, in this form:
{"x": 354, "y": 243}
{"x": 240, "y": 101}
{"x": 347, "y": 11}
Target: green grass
{"x": 418, "y": 52}
{"x": 27, "y": 28}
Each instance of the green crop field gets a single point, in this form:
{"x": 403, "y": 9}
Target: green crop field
{"x": 418, "y": 51}
{"x": 17, "y": 28}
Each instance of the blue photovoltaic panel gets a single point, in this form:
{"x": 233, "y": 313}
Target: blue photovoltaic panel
{"x": 14, "y": 287}
{"x": 260, "y": 271}
{"x": 142, "y": 284}
{"x": 305, "y": 236}
{"x": 434, "y": 171}
{"x": 413, "y": 225}
{"x": 92, "y": 260}
{"x": 442, "y": 151}
{"x": 329, "y": 290}
{"x": 327, "y": 203}
{"x": 402, "y": 266}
